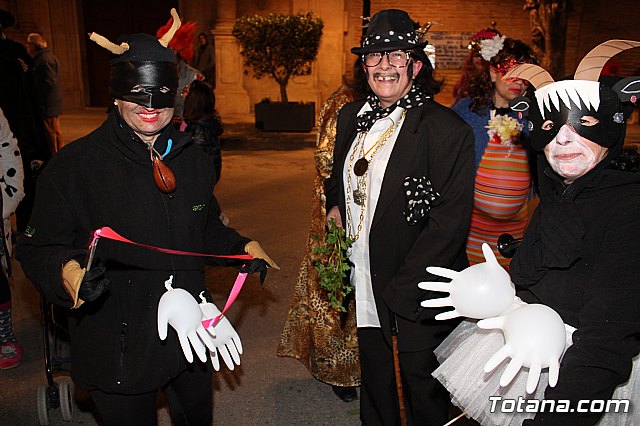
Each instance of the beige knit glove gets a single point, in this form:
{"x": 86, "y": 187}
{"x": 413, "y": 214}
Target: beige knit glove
{"x": 256, "y": 251}
{"x": 72, "y": 275}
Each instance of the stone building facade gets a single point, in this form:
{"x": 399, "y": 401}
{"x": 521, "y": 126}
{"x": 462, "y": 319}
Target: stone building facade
{"x": 63, "y": 22}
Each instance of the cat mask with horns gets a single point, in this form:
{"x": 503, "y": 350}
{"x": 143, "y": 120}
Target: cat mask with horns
{"x": 569, "y": 101}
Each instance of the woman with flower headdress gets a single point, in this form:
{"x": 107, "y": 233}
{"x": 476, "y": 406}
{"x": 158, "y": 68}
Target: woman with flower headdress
{"x": 503, "y": 178}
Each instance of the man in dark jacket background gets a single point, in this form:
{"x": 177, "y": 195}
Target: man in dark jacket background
{"x": 46, "y": 68}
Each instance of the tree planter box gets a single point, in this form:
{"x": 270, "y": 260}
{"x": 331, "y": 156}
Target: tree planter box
{"x": 285, "y": 117}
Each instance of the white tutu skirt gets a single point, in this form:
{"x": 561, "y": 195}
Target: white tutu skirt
{"x": 462, "y": 357}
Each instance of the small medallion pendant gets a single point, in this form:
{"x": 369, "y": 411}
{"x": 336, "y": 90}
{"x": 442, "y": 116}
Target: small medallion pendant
{"x": 359, "y": 197}
{"x": 361, "y": 166}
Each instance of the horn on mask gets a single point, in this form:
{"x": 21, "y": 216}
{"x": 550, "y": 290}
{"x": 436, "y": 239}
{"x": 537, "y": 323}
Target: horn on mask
{"x": 591, "y": 65}
{"x": 166, "y": 39}
{"x": 109, "y": 45}
{"x": 536, "y": 75}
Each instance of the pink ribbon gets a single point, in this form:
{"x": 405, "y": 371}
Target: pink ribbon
{"x": 235, "y": 290}
{"x": 110, "y": 234}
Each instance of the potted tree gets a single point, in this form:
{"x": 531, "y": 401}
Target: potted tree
{"x": 281, "y": 47}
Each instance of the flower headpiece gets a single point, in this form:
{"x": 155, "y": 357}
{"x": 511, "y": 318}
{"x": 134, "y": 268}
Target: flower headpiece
{"x": 490, "y": 47}
{"x": 487, "y": 42}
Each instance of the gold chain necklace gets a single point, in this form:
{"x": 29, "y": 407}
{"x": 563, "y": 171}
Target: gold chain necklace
{"x": 360, "y": 193}
{"x": 361, "y": 166}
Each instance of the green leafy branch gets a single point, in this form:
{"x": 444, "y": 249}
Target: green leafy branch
{"x": 332, "y": 264}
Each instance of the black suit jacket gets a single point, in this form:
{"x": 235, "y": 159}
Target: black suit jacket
{"x": 435, "y": 143}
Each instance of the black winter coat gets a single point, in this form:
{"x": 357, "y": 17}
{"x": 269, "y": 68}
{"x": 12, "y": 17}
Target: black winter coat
{"x": 105, "y": 179}
{"x": 580, "y": 257}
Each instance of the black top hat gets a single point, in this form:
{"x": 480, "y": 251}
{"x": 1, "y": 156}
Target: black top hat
{"x": 6, "y": 19}
{"x": 390, "y": 29}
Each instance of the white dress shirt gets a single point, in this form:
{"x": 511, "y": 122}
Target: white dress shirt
{"x": 366, "y": 314}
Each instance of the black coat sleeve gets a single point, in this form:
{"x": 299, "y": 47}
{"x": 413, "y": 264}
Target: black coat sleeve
{"x": 49, "y": 242}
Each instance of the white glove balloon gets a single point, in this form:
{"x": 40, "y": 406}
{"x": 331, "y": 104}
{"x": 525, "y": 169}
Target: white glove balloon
{"x": 480, "y": 291}
{"x": 535, "y": 337}
{"x": 178, "y": 308}
{"x": 225, "y": 337}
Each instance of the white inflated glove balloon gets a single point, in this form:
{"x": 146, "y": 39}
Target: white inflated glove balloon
{"x": 480, "y": 291}
{"x": 179, "y": 309}
{"x": 225, "y": 338}
{"x": 535, "y": 337}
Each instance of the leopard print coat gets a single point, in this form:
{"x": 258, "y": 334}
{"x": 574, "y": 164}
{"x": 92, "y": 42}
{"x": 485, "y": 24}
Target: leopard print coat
{"x": 313, "y": 332}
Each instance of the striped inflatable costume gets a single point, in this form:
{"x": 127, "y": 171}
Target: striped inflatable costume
{"x": 502, "y": 187}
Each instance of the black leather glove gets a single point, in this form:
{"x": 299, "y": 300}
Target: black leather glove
{"x": 256, "y": 265}
{"x": 93, "y": 283}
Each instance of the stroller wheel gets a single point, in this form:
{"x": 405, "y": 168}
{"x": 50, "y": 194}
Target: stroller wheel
{"x": 66, "y": 399}
{"x": 43, "y": 406}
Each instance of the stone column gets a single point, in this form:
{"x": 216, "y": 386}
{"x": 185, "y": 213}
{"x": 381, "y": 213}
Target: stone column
{"x": 65, "y": 37}
{"x": 231, "y": 97}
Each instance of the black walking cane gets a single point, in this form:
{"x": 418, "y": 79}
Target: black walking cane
{"x": 396, "y": 367}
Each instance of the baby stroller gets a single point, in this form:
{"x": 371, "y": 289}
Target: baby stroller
{"x": 56, "y": 393}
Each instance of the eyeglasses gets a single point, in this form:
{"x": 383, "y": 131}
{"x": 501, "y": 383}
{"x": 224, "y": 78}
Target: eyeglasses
{"x": 397, "y": 58}
{"x": 505, "y": 67}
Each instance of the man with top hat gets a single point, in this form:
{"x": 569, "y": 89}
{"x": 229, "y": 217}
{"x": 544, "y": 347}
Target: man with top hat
{"x": 402, "y": 187}
{"x": 139, "y": 176}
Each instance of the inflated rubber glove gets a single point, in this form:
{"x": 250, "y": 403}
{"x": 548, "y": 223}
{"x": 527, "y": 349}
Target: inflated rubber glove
{"x": 179, "y": 309}
{"x": 225, "y": 337}
{"x": 480, "y": 291}
{"x": 257, "y": 252}
{"x": 535, "y": 337}
{"x": 81, "y": 285}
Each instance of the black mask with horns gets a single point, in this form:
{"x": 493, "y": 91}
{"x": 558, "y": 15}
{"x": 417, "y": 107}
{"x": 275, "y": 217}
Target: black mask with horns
{"x": 143, "y": 69}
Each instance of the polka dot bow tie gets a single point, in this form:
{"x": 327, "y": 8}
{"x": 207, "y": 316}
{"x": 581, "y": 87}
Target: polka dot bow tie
{"x": 414, "y": 98}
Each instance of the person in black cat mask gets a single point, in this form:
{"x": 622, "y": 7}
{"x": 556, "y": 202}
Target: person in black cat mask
{"x": 578, "y": 257}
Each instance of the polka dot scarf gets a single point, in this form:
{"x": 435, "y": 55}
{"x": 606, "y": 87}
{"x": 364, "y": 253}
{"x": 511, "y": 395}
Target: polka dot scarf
{"x": 414, "y": 98}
